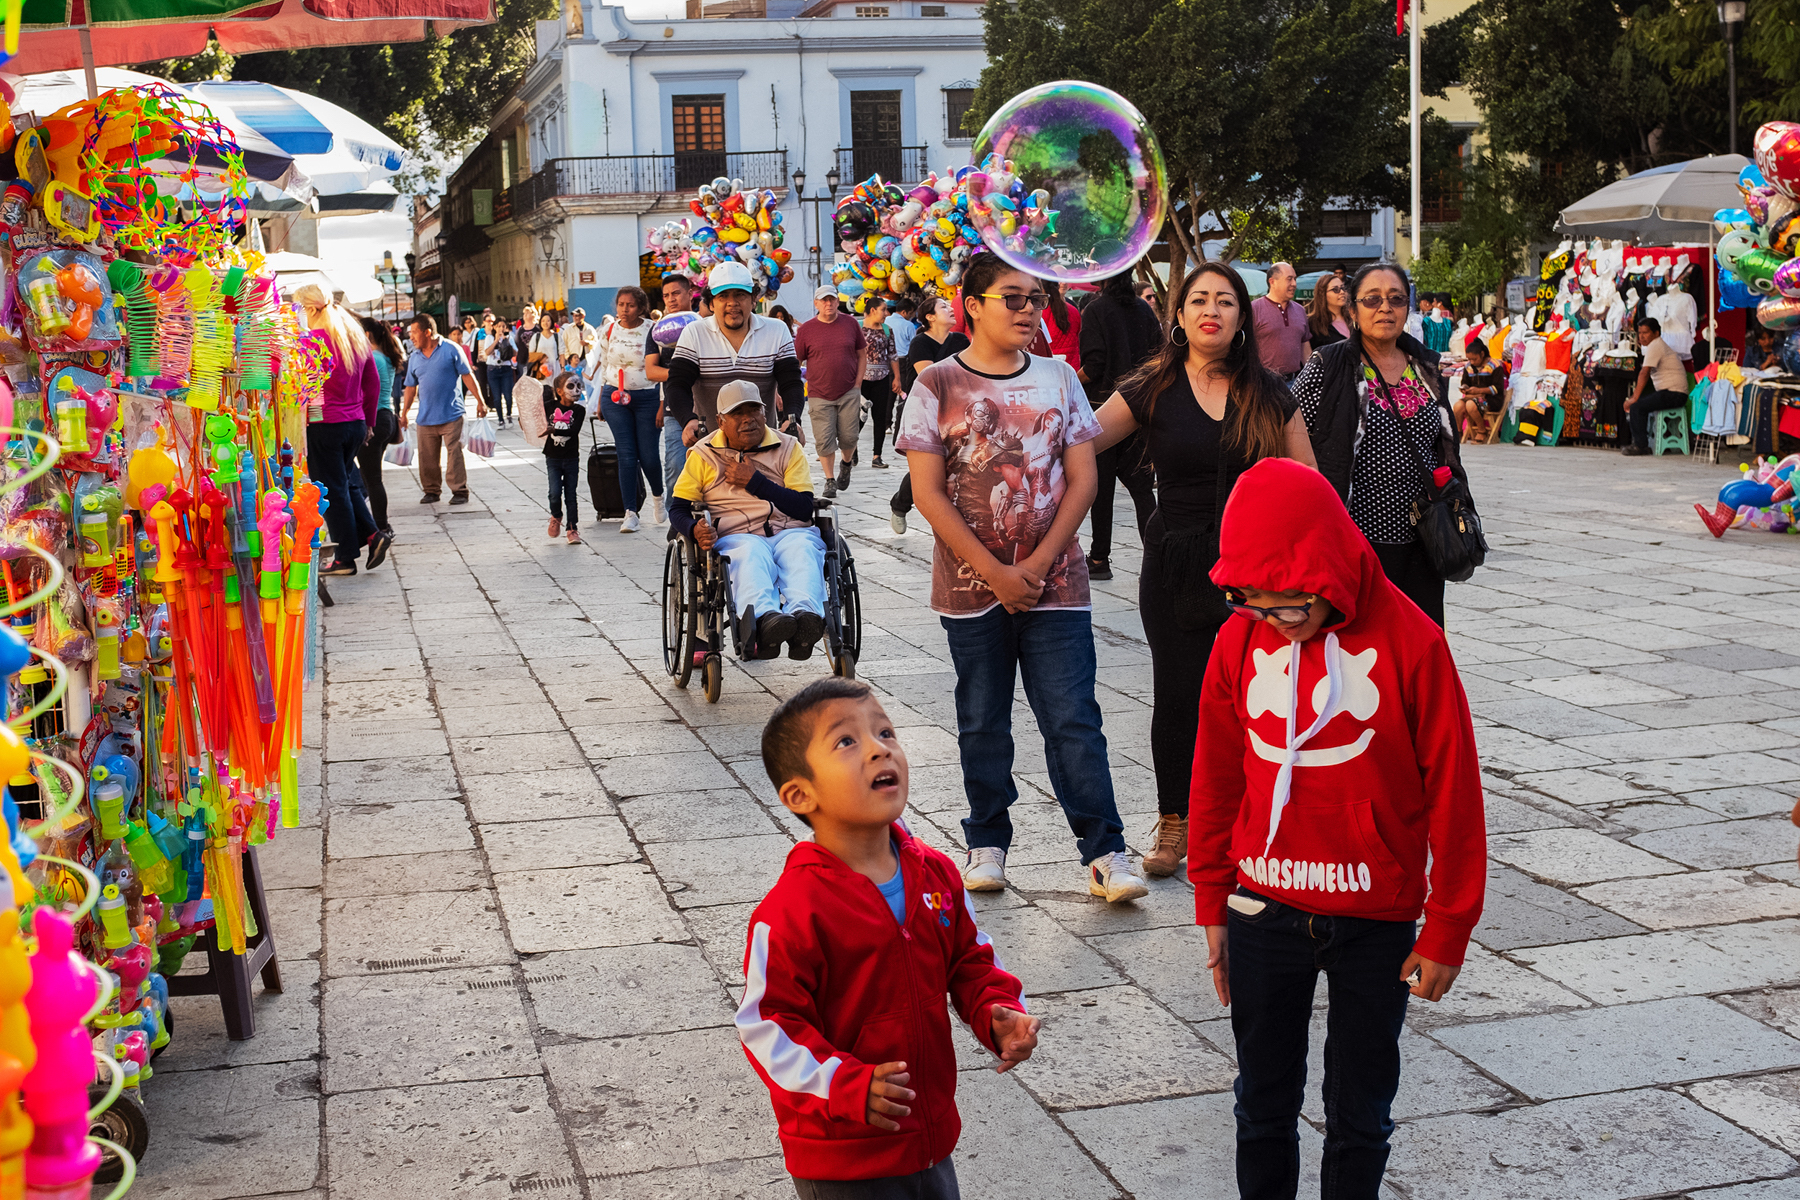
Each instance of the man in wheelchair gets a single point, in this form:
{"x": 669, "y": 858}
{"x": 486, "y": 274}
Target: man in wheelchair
{"x": 747, "y": 492}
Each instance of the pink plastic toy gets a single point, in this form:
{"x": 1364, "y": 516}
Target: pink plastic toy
{"x": 61, "y": 1162}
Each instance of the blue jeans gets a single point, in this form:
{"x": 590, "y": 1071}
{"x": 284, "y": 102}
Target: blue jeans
{"x": 1276, "y": 957}
{"x": 764, "y": 570}
{"x": 1053, "y": 650}
{"x": 674, "y": 455}
{"x": 331, "y": 448}
{"x": 500, "y": 386}
{"x": 633, "y": 428}
{"x": 565, "y": 474}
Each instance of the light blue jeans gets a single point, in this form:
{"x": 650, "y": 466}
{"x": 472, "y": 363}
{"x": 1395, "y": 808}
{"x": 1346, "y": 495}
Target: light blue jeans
{"x": 764, "y": 569}
{"x": 674, "y": 455}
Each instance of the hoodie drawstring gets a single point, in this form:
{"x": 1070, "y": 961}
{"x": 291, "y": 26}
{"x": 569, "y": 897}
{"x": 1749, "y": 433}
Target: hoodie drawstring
{"x": 1284, "y": 778}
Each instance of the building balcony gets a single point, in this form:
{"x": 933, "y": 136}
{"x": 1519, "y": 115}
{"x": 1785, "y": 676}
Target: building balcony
{"x": 637, "y": 182}
{"x": 895, "y": 164}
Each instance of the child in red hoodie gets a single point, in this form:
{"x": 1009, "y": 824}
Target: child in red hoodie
{"x": 1318, "y": 793}
{"x": 849, "y": 957}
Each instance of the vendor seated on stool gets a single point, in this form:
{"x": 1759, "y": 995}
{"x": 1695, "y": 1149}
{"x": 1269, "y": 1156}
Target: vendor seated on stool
{"x": 1483, "y": 390}
{"x": 764, "y": 527}
{"x": 1661, "y": 384}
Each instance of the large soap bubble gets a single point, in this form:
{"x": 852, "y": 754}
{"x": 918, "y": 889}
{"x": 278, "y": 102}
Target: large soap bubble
{"x": 1088, "y": 159}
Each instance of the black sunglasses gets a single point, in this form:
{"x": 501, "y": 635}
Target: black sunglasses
{"x": 1281, "y": 614}
{"x": 1019, "y": 301}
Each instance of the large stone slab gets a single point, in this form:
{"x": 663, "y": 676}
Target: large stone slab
{"x": 1044, "y": 955}
{"x": 1575, "y": 856}
{"x": 1491, "y": 986}
{"x": 1768, "y": 1105}
{"x": 1113, "y": 1045}
{"x": 1003, "y": 1130}
{"x": 1609, "y": 1147}
{"x": 757, "y": 1179}
{"x": 262, "y": 1115}
{"x": 1519, "y": 911}
{"x": 1779, "y": 1007}
{"x": 1703, "y": 898}
{"x": 1746, "y": 843}
{"x": 393, "y": 780}
{"x": 570, "y": 842}
{"x": 1625, "y": 1046}
{"x": 536, "y": 795}
{"x": 696, "y": 816}
{"x": 656, "y": 988}
{"x": 666, "y": 1100}
{"x": 720, "y": 871}
{"x": 375, "y": 934}
{"x": 1651, "y": 966}
{"x": 375, "y": 829}
{"x": 488, "y": 1140}
{"x": 579, "y": 908}
{"x": 287, "y": 1025}
{"x": 413, "y": 1027}
{"x": 1177, "y": 1149}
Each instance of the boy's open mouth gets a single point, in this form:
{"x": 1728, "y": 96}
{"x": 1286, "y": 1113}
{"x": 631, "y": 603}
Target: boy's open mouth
{"x": 887, "y": 779}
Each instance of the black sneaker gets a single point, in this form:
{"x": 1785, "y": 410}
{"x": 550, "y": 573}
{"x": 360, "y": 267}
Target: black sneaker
{"x": 843, "y": 478}
{"x": 379, "y": 541}
{"x": 339, "y": 568}
{"x": 459, "y": 497}
{"x": 808, "y": 629}
{"x": 429, "y": 498}
{"x": 1099, "y": 568}
{"x": 772, "y": 629}
{"x": 877, "y": 463}
{"x": 1634, "y": 451}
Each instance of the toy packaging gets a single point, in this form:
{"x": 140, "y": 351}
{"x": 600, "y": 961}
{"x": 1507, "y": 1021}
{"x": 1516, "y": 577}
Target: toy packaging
{"x": 157, "y": 534}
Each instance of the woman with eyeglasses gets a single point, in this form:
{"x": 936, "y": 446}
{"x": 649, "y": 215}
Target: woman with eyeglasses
{"x": 1380, "y": 426}
{"x": 1328, "y": 316}
{"x": 1209, "y": 409}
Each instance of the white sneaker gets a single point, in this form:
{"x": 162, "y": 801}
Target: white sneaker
{"x": 1111, "y": 876}
{"x": 985, "y": 870}
{"x": 630, "y": 523}
{"x": 656, "y": 510}
{"x": 896, "y": 521}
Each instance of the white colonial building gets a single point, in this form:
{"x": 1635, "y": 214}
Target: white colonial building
{"x": 619, "y": 120}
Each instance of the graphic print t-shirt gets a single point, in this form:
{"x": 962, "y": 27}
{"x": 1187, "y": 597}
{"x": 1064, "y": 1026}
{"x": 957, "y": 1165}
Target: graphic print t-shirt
{"x": 1002, "y": 439}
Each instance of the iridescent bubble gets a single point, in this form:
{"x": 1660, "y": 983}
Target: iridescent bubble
{"x": 1087, "y": 180}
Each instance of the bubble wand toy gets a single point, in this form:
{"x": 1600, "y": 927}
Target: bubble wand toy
{"x": 299, "y": 584}
{"x": 60, "y": 1164}
{"x": 221, "y": 431}
{"x": 17, "y": 1055}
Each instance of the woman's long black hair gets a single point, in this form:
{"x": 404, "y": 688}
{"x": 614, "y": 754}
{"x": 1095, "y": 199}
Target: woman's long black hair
{"x": 1256, "y": 423}
{"x": 382, "y": 338}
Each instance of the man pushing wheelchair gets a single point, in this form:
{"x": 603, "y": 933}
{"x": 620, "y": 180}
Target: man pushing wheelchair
{"x": 747, "y": 491}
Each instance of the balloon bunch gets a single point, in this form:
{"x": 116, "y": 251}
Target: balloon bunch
{"x": 1759, "y": 244}
{"x": 740, "y": 225}
{"x": 898, "y": 238}
{"x": 1762, "y": 499}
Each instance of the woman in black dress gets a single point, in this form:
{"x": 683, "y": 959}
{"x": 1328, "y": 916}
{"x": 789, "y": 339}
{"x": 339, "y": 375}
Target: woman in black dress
{"x": 1208, "y": 409}
{"x": 934, "y": 342}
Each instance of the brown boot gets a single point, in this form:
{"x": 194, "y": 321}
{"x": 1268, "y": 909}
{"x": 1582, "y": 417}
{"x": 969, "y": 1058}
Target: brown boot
{"x": 1170, "y": 848}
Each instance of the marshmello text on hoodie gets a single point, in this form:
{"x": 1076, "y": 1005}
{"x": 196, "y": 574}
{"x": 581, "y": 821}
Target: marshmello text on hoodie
{"x": 1329, "y": 772}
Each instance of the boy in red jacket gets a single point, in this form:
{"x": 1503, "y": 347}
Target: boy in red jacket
{"x": 1318, "y": 792}
{"x": 850, "y": 955}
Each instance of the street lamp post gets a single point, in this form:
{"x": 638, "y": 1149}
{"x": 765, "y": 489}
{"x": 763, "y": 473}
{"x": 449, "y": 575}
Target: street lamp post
{"x": 391, "y": 278}
{"x": 1731, "y": 24}
{"x": 832, "y": 180}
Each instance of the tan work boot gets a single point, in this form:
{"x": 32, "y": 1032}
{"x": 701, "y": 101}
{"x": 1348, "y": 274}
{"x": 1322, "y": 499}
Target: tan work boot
{"x": 1171, "y": 846}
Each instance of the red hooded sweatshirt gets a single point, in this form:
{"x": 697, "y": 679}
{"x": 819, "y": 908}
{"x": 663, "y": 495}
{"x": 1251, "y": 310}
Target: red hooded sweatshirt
{"x": 1327, "y": 789}
{"x": 835, "y": 987}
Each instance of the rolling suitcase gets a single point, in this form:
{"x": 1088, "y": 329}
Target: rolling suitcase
{"x": 603, "y": 479}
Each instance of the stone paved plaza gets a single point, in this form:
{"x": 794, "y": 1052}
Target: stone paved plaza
{"x": 512, "y": 924}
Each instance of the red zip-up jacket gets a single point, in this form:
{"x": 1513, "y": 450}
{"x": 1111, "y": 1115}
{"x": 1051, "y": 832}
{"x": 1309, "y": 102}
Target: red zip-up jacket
{"x": 1326, "y": 789}
{"x": 835, "y": 987}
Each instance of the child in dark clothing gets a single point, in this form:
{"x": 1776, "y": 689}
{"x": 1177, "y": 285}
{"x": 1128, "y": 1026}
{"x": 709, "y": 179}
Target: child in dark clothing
{"x": 562, "y": 450}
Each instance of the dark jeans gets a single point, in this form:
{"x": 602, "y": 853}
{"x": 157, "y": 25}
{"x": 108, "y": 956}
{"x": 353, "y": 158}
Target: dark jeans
{"x": 902, "y": 502}
{"x": 880, "y": 395}
{"x": 500, "y": 385}
{"x": 481, "y": 383}
{"x": 331, "y": 449}
{"x": 1124, "y": 463}
{"x": 369, "y": 460}
{"x": 933, "y": 1183}
{"x": 1178, "y": 660}
{"x": 1275, "y": 958}
{"x": 1409, "y": 568}
{"x": 565, "y": 474}
{"x": 635, "y": 433}
{"x": 1649, "y": 402}
{"x": 1053, "y": 650}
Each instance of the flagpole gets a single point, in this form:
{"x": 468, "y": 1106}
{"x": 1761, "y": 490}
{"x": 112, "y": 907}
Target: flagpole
{"x": 1418, "y": 245}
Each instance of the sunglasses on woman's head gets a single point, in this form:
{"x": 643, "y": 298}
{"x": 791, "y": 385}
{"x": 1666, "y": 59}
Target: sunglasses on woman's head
{"x": 1018, "y": 301}
{"x": 1281, "y": 614}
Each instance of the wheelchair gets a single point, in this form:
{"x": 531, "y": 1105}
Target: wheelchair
{"x": 697, "y": 610}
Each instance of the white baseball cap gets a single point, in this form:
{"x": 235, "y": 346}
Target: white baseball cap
{"x": 729, "y": 276}
{"x": 737, "y": 394}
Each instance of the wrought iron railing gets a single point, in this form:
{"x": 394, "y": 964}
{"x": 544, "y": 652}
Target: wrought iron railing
{"x": 640, "y": 174}
{"x": 895, "y": 164}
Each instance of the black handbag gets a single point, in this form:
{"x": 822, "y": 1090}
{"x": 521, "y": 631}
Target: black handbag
{"x": 1444, "y": 518}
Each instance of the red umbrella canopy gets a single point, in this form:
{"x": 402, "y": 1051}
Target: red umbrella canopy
{"x": 133, "y": 31}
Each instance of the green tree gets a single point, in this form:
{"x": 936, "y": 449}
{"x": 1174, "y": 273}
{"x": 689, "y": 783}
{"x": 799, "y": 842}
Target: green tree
{"x": 1258, "y": 106}
{"x": 434, "y": 97}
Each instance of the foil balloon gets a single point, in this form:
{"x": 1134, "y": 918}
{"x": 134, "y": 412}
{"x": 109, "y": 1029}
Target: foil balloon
{"x": 1757, "y": 270}
{"x": 1728, "y": 219}
{"x": 1733, "y": 293}
{"x": 1777, "y": 146}
{"x": 1790, "y": 354}
{"x": 1085, "y": 174}
{"x": 1779, "y": 312}
{"x": 1787, "y": 278}
{"x": 667, "y": 331}
{"x": 1734, "y": 245}
{"x": 1750, "y": 179}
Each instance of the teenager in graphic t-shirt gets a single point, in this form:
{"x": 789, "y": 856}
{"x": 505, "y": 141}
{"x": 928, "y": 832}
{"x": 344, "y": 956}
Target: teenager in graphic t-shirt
{"x": 997, "y": 443}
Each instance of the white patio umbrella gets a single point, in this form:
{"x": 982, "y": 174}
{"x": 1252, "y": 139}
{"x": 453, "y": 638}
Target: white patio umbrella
{"x": 339, "y": 152}
{"x": 1662, "y": 205}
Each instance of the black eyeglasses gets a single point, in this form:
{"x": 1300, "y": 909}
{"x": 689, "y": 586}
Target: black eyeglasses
{"x": 1019, "y": 301}
{"x": 1374, "y": 302}
{"x": 1281, "y": 614}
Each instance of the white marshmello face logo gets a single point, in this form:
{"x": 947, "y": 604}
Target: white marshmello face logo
{"x": 1271, "y": 691}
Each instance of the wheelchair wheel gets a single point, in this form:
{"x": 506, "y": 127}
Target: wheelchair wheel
{"x": 678, "y": 613}
{"x": 844, "y": 625}
{"x": 712, "y": 675}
